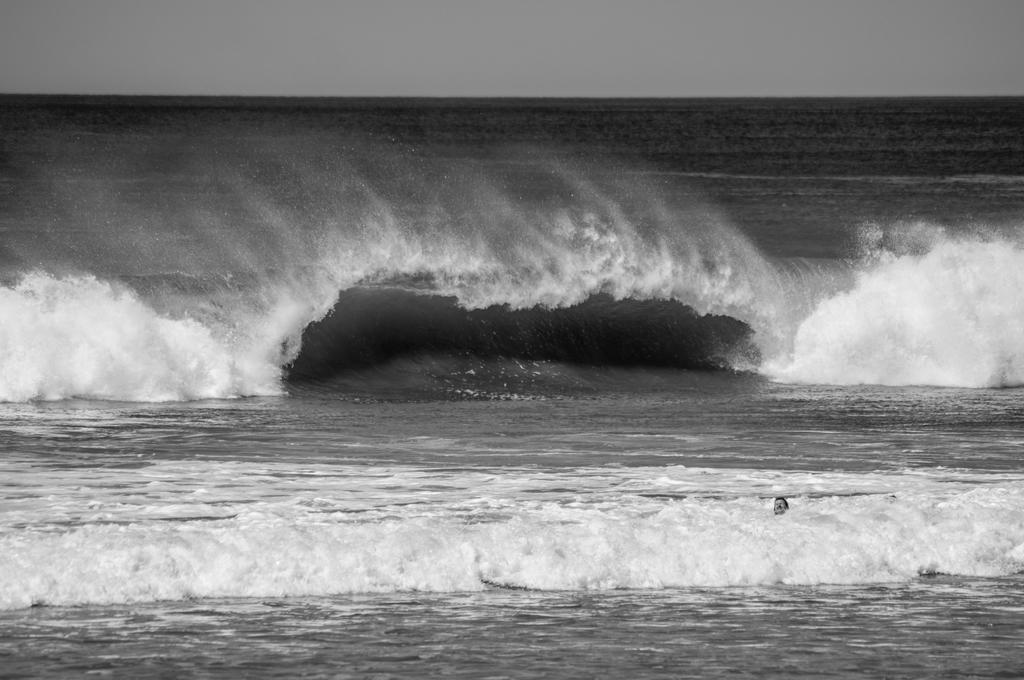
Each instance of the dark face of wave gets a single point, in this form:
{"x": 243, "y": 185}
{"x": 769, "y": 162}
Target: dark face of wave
{"x": 369, "y": 327}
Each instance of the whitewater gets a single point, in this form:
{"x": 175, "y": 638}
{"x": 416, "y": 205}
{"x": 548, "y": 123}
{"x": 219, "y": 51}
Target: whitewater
{"x": 641, "y": 528}
{"x": 431, "y": 387}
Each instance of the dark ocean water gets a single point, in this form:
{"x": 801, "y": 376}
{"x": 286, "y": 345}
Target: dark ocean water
{"x": 506, "y": 388}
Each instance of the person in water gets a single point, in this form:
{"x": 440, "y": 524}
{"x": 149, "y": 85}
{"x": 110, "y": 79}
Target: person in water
{"x": 781, "y": 505}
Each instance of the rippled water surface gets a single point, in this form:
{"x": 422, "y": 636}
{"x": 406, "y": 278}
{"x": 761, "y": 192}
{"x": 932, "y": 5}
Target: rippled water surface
{"x": 940, "y": 627}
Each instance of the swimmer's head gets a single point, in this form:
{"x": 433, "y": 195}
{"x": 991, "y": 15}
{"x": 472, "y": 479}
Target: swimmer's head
{"x": 781, "y": 505}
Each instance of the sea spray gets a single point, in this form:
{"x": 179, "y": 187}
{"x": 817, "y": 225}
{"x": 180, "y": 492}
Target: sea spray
{"x": 546, "y": 235}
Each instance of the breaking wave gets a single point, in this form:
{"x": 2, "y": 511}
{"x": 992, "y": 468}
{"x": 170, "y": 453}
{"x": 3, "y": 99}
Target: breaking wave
{"x": 314, "y": 262}
{"x": 931, "y": 309}
{"x": 306, "y": 270}
{"x": 657, "y": 529}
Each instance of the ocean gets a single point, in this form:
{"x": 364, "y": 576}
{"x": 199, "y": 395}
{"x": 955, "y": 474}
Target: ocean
{"x": 507, "y": 388}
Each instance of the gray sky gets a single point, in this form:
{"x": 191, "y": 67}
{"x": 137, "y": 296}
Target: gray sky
{"x": 513, "y": 47}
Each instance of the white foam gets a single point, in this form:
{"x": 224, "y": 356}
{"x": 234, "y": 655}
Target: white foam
{"x": 78, "y": 336}
{"x": 275, "y": 531}
{"x": 951, "y": 315}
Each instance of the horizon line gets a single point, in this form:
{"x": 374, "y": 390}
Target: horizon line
{"x": 450, "y": 97}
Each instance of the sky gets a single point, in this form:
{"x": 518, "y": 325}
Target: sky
{"x": 531, "y": 48}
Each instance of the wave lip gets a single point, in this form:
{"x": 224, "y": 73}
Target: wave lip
{"x": 368, "y": 327}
